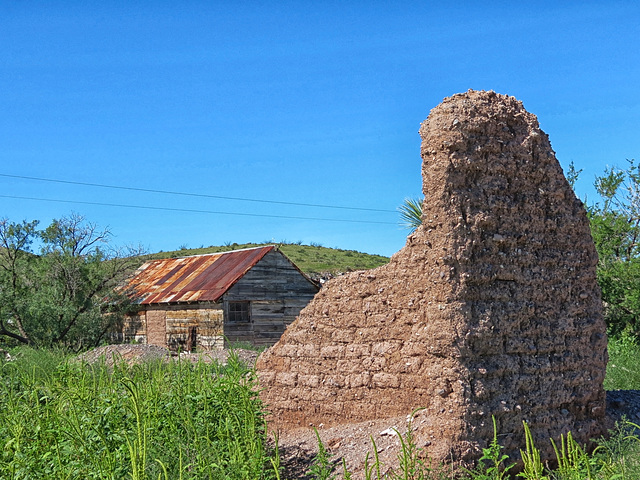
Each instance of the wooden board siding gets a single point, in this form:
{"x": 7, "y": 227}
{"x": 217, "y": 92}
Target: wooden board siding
{"x": 276, "y": 291}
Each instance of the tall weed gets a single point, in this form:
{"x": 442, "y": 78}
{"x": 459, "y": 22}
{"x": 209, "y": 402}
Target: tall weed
{"x": 573, "y": 462}
{"x": 493, "y": 463}
{"x": 618, "y": 455}
{"x": 322, "y": 468}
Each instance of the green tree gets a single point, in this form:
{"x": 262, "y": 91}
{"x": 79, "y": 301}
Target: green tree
{"x": 65, "y": 295}
{"x": 16, "y": 260}
{"x": 411, "y": 213}
{"x": 615, "y": 227}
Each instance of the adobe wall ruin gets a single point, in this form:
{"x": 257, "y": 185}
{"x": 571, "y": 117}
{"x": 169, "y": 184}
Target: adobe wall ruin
{"x": 491, "y": 308}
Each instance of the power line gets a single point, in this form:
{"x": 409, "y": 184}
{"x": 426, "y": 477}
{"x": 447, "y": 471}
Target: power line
{"x": 169, "y": 209}
{"x": 186, "y": 194}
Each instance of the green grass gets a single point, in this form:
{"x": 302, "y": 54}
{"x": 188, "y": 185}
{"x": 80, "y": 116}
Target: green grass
{"x": 61, "y": 419}
{"x": 623, "y": 370}
{"x": 309, "y": 258}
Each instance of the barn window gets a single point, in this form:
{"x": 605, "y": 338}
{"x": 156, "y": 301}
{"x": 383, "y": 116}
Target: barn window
{"x": 239, "y": 312}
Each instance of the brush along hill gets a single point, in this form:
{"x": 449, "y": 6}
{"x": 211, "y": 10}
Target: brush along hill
{"x": 314, "y": 260}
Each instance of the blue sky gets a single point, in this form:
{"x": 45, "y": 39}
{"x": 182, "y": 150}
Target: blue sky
{"x": 315, "y": 103}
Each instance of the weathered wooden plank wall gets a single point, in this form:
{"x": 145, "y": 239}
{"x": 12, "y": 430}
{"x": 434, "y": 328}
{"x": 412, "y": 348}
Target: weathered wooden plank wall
{"x": 277, "y": 291}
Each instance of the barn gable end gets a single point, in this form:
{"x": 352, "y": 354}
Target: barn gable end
{"x": 276, "y": 291}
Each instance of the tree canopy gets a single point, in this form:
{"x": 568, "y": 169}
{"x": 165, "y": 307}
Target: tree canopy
{"x": 615, "y": 227}
{"x": 64, "y": 294}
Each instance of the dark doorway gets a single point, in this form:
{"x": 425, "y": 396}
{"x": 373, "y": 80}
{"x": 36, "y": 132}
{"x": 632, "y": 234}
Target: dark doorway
{"x": 191, "y": 339}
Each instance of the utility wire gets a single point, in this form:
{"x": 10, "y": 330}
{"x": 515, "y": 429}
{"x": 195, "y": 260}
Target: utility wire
{"x": 169, "y": 209}
{"x": 201, "y": 195}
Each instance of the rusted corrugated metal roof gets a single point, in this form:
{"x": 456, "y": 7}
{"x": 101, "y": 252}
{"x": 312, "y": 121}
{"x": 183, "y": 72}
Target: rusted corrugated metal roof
{"x": 192, "y": 279}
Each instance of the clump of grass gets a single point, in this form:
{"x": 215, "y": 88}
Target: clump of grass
{"x": 618, "y": 455}
{"x": 533, "y": 469}
{"x": 623, "y": 370}
{"x": 245, "y": 345}
{"x": 413, "y": 463}
{"x": 573, "y": 461}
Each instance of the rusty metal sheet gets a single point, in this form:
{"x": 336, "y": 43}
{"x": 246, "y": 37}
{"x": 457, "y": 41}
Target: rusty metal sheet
{"x": 192, "y": 279}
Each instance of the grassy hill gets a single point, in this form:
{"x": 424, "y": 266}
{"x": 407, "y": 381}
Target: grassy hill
{"x": 309, "y": 258}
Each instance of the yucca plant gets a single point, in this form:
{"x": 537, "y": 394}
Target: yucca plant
{"x": 411, "y": 213}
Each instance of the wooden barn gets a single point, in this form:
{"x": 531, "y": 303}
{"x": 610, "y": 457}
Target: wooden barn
{"x": 203, "y": 302}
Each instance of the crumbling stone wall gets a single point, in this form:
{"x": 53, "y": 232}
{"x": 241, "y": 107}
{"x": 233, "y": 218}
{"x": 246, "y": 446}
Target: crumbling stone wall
{"x": 491, "y": 308}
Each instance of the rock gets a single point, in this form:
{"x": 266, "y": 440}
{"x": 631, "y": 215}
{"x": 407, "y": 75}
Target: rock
{"x": 491, "y": 309}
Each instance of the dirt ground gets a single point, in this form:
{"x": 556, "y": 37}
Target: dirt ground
{"x": 352, "y": 442}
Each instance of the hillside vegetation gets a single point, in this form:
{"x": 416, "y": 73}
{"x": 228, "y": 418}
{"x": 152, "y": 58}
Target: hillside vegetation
{"x": 309, "y": 258}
